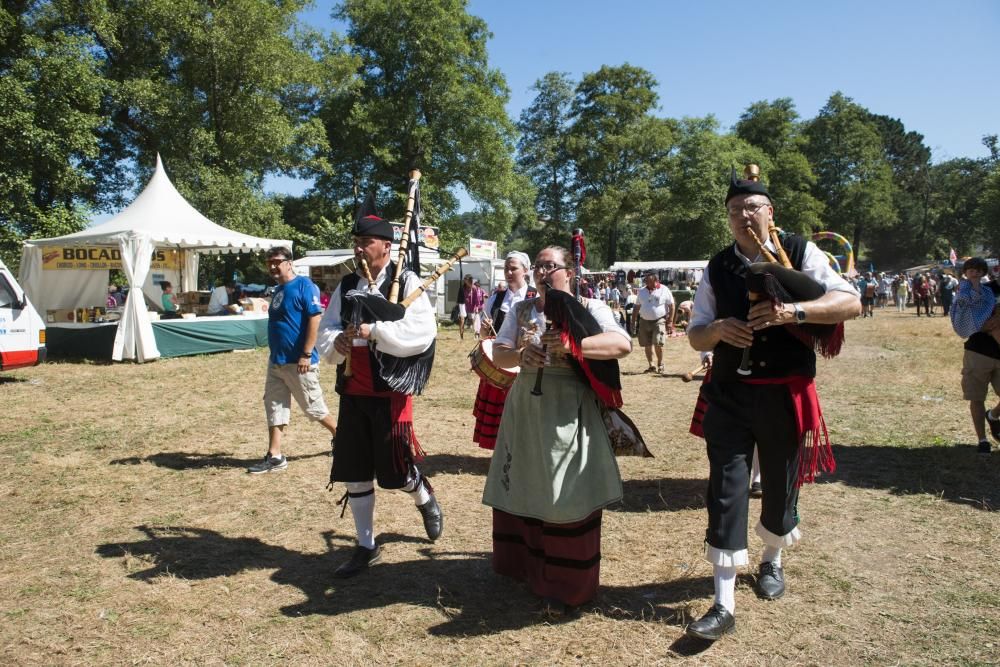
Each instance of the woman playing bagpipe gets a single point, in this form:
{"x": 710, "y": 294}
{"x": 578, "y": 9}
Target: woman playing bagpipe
{"x": 763, "y": 322}
{"x": 553, "y": 469}
{"x": 493, "y": 386}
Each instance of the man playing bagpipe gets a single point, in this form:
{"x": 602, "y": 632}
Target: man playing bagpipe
{"x": 384, "y": 354}
{"x": 762, "y": 320}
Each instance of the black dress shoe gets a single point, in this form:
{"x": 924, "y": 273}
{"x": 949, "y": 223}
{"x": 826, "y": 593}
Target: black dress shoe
{"x": 756, "y": 491}
{"x": 770, "y": 581}
{"x": 359, "y": 562}
{"x": 715, "y": 623}
{"x": 433, "y": 518}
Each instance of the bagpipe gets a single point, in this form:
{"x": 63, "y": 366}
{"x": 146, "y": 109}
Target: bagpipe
{"x": 565, "y": 313}
{"x": 776, "y": 280}
{"x": 406, "y": 375}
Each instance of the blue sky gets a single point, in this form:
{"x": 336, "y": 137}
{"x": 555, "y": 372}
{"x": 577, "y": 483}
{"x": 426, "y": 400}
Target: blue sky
{"x": 931, "y": 65}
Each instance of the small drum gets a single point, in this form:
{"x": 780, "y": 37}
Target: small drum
{"x": 481, "y": 359}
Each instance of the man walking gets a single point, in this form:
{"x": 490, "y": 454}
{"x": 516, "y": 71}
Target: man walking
{"x": 653, "y": 319}
{"x": 375, "y": 422}
{"x": 774, "y": 408}
{"x": 293, "y": 365}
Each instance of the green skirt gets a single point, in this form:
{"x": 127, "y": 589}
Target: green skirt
{"x": 553, "y": 459}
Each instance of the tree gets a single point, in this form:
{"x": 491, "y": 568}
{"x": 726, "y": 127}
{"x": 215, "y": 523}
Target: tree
{"x": 854, "y": 180}
{"x": 425, "y": 98}
{"x": 774, "y": 128}
{"x": 693, "y": 223}
{"x": 226, "y": 92}
{"x": 543, "y": 153}
{"x": 50, "y": 95}
{"x": 619, "y": 150}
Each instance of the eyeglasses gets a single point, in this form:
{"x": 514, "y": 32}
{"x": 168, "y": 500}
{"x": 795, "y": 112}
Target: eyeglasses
{"x": 547, "y": 267}
{"x": 277, "y": 261}
{"x": 748, "y": 212}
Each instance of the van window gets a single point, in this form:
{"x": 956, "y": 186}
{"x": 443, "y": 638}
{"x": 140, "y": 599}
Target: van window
{"x": 7, "y": 298}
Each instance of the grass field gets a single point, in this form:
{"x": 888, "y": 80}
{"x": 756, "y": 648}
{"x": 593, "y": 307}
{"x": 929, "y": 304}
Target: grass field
{"x": 133, "y": 535}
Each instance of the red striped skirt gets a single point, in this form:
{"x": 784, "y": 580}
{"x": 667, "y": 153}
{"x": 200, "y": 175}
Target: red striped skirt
{"x": 556, "y": 560}
{"x": 487, "y": 411}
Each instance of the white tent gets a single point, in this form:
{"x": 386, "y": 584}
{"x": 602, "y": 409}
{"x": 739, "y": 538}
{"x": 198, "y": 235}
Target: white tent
{"x": 159, "y": 218}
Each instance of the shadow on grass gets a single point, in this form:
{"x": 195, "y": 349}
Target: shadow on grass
{"x": 459, "y": 585}
{"x": 956, "y": 473}
{"x": 200, "y": 460}
{"x": 457, "y": 464}
{"x": 10, "y": 379}
{"x": 661, "y": 495}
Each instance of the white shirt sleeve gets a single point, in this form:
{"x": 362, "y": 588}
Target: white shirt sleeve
{"x": 816, "y": 265}
{"x": 606, "y": 319}
{"x": 414, "y": 333}
{"x": 703, "y": 311}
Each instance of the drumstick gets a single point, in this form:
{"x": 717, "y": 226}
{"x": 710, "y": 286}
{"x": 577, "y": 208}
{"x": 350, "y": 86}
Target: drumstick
{"x": 687, "y": 377}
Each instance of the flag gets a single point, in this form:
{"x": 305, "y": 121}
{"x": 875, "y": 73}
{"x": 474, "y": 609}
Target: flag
{"x": 953, "y": 257}
{"x": 414, "y": 258}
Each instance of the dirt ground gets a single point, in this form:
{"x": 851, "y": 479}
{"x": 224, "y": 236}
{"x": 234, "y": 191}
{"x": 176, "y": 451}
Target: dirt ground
{"x": 133, "y": 535}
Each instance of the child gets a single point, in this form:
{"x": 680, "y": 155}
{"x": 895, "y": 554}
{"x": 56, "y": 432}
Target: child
{"x": 169, "y": 301}
{"x": 974, "y": 308}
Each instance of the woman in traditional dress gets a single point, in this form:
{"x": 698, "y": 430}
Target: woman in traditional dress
{"x": 490, "y": 398}
{"x": 553, "y": 470}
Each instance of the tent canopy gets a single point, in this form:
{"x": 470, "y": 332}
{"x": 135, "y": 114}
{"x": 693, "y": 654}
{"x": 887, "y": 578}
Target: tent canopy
{"x": 658, "y": 266}
{"x": 161, "y": 214}
{"x": 159, "y": 217}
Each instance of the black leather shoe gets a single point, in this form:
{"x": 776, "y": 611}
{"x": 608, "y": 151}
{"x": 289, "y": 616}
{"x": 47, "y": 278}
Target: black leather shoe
{"x": 715, "y": 623}
{"x": 756, "y": 491}
{"x": 359, "y": 562}
{"x": 433, "y": 518}
{"x": 770, "y": 581}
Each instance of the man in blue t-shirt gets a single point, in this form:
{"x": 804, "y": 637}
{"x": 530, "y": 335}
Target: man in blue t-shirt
{"x": 293, "y": 366}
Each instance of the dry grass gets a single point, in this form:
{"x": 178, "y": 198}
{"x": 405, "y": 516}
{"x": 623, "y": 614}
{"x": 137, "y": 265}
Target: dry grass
{"x": 133, "y": 535}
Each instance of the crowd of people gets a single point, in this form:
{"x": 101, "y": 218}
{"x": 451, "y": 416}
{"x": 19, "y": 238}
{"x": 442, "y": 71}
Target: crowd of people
{"x": 925, "y": 290}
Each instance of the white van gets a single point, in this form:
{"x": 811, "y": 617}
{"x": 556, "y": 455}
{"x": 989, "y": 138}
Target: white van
{"x": 22, "y": 331}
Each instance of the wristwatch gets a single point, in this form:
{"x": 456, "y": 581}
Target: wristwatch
{"x": 800, "y": 315}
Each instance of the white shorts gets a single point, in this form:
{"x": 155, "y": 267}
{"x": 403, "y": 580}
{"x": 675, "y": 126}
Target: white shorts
{"x": 283, "y": 382}
{"x": 461, "y": 310}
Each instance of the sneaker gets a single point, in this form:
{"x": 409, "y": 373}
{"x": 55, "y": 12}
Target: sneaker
{"x": 651, "y": 369}
{"x": 269, "y": 464}
{"x": 659, "y": 369}
{"x": 756, "y": 491}
{"x": 994, "y": 424}
{"x": 984, "y": 447}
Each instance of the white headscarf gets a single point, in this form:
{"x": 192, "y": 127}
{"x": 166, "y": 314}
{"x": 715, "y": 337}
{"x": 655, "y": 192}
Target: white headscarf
{"x": 521, "y": 257}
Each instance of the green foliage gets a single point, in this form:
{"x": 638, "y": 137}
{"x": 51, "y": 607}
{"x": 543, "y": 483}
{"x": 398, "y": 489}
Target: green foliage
{"x": 50, "y": 94}
{"x": 774, "y": 128}
{"x": 853, "y": 178}
{"x": 424, "y": 97}
{"x": 693, "y": 219}
{"x": 619, "y": 149}
{"x": 543, "y": 154}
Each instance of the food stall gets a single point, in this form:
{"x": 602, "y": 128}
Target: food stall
{"x": 159, "y": 236}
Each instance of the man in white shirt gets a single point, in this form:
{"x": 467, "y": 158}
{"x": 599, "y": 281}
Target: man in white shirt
{"x": 219, "y": 304}
{"x": 375, "y": 436}
{"x": 653, "y": 319}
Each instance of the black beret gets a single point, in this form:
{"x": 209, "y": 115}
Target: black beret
{"x": 373, "y": 226}
{"x": 749, "y": 186}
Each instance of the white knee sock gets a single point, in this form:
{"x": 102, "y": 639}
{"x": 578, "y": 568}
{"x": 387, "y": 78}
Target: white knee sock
{"x": 771, "y": 555}
{"x": 725, "y": 586}
{"x": 363, "y": 511}
{"x": 755, "y": 469}
{"x": 417, "y": 490}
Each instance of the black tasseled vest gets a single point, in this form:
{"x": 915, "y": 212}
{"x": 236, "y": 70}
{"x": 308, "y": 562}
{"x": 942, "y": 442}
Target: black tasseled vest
{"x": 775, "y": 352}
{"x": 346, "y": 313}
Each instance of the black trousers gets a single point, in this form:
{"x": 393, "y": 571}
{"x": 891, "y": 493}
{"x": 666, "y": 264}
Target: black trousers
{"x": 739, "y": 416}
{"x": 366, "y": 447}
